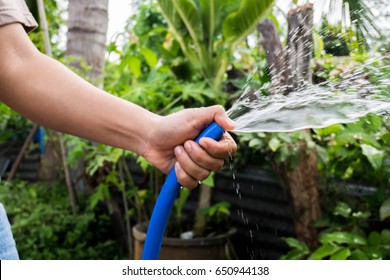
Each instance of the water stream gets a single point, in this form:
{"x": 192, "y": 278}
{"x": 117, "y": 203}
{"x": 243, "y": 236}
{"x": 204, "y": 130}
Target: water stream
{"x": 312, "y": 106}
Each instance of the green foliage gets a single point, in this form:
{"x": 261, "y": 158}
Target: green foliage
{"x": 55, "y": 21}
{"x": 354, "y": 28}
{"x": 358, "y": 151}
{"x": 179, "y": 204}
{"x": 280, "y": 147}
{"x": 333, "y": 40}
{"x": 149, "y": 66}
{"x": 208, "y": 32}
{"x": 45, "y": 228}
{"x": 345, "y": 237}
{"x": 299, "y": 249}
{"x": 12, "y": 125}
{"x": 217, "y": 213}
{"x": 318, "y": 45}
{"x": 149, "y": 26}
{"x": 384, "y": 211}
{"x": 110, "y": 170}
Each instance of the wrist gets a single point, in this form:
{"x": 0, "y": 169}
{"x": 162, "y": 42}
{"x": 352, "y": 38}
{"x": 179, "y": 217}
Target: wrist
{"x": 151, "y": 128}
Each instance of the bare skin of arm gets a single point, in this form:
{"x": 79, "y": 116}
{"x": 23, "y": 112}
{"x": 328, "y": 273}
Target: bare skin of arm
{"x": 45, "y": 91}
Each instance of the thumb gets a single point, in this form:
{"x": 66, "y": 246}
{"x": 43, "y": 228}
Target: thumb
{"x": 215, "y": 113}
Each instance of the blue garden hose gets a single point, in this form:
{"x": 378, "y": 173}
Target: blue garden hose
{"x": 164, "y": 204}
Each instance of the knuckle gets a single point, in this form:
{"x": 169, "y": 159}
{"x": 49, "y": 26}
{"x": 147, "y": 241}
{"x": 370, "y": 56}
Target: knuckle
{"x": 204, "y": 175}
{"x": 179, "y": 173}
{"x": 197, "y": 155}
{"x": 220, "y": 164}
{"x": 182, "y": 178}
{"x": 219, "y": 108}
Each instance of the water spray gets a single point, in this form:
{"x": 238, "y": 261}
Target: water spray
{"x": 312, "y": 106}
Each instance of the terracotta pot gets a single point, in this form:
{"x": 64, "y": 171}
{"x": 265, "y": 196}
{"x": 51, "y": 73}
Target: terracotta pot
{"x": 205, "y": 248}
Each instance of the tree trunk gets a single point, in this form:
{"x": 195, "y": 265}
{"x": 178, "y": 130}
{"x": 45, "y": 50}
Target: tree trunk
{"x": 290, "y": 70}
{"x": 299, "y": 45}
{"x": 301, "y": 185}
{"x": 276, "y": 58}
{"x": 87, "y": 31}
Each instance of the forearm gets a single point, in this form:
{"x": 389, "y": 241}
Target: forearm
{"x": 48, "y": 93}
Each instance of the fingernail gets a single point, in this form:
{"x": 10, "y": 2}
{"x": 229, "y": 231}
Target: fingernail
{"x": 178, "y": 151}
{"x": 188, "y": 146}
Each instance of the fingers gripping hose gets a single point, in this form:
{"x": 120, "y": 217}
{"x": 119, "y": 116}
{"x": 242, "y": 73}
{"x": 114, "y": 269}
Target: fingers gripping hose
{"x": 165, "y": 201}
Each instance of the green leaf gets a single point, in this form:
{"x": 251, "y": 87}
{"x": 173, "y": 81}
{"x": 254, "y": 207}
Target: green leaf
{"x": 318, "y": 44}
{"x": 173, "y": 18}
{"x": 374, "y": 156}
{"x": 385, "y": 236}
{"x": 213, "y": 13}
{"x": 180, "y": 201}
{"x": 329, "y": 130}
{"x": 374, "y": 121}
{"x": 295, "y": 254}
{"x": 324, "y": 222}
{"x": 341, "y": 254}
{"x": 322, "y": 154}
{"x": 283, "y": 154}
{"x": 361, "y": 214}
{"x": 239, "y": 24}
{"x": 358, "y": 239}
{"x": 111, "y": 47}
{"x": 386, "y": 138}
{"x": 373, "y": 253}
{"x": 374, "y": 239}
{"x": 150, "y": 57}
{"x": 358, "y": 255}
{"x": 135, "y": 66}
{"x": 342, "y": 209}
{"x": 255, "y": 143}
{"x": 210, "y": 180}
{"x": 295, "y": 243}
{"x": 384, "y": 211}
{"x": 339, "y": 237}
{"x": 177, "y": 27}
{"x": 189, "y": 14}
{"x": 324, "y": 251}
{"x": 145, "y": 165}
{"x": 284, "y": 136}
{"x": 274, "y": 144}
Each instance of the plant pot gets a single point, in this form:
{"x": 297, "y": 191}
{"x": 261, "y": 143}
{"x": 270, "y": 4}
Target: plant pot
{"x": 205, "y": 248}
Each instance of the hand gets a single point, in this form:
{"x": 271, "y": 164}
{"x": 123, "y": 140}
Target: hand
{"x": 171, "y": 142}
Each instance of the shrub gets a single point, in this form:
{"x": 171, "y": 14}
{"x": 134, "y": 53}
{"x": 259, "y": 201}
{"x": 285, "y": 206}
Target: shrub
{"x": 45, "y": 228}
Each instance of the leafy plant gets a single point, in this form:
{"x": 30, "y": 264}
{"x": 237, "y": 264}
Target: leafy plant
{"x": 345, "y": 240}
{"x": 56, "y": 21}
{"x": 12, "y": 125}
{"x": 44, "y": 226}
{"x": 209, "y": 31}
{"x": 280, "y": 147}
{"x": 358, "y": 151}
{"x": 217, "y": 213}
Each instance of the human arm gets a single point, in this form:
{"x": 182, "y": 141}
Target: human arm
{"x": 48, "y": 93}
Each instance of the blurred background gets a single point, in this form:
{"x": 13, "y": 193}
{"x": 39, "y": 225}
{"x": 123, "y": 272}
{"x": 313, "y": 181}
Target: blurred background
{"x": 311, "y": 194}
